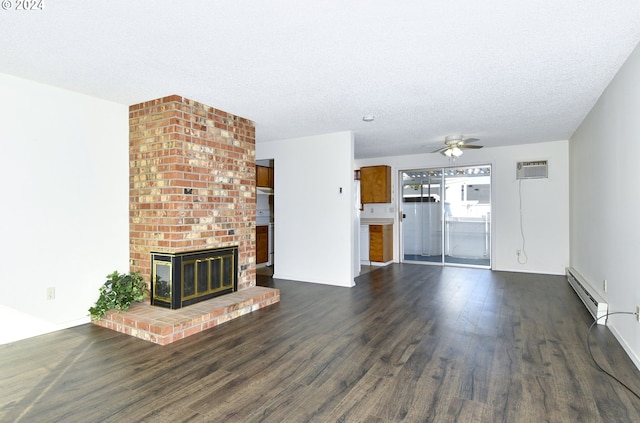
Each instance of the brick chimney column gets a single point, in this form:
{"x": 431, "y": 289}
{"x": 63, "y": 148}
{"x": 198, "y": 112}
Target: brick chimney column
{"x": 191, "y": 182}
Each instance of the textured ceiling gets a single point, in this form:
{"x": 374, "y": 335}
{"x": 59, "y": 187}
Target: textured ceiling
{"x": 504, "y": 71}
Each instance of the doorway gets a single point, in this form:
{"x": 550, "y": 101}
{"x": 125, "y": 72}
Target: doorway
{"x": 265, "y": 217}
{"x": 446, "y": 216}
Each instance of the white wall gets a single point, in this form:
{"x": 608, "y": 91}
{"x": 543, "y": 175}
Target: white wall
{"x": 605, "y": 199}
{"x": 314, "y": 230}
{"x": 64, "y": 209}
{"x": 545, "y": 203}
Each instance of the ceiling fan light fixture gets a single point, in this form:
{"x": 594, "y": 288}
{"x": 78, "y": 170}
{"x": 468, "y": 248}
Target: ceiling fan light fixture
{"x": 452, "y": 152}
{"x": 454, "y": 145}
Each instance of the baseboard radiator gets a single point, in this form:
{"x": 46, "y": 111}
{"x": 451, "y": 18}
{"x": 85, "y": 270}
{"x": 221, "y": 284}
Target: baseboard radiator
{"x": 596, "y": 305}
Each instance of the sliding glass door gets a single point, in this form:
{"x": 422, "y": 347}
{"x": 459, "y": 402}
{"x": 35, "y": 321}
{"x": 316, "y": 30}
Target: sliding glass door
{"x": 447, "y": 215}
{"x": 422, "y": 229}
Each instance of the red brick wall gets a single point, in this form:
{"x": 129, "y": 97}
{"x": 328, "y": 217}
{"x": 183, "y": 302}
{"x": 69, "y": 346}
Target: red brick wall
{"x": 191, "y": 182}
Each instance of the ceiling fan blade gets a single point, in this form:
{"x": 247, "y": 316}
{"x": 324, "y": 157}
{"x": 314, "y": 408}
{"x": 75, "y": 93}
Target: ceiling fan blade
{"x": 456, "y": 142}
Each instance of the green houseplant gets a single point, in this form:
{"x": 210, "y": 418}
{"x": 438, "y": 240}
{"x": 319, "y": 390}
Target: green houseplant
{"x": 118, "y": 292}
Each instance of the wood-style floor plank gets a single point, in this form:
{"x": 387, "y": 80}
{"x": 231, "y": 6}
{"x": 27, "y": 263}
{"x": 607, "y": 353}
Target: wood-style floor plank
{"x": 408, "y": 343}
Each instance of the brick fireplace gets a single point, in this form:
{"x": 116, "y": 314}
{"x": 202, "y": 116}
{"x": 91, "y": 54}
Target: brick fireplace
{"x": 191, "y": 188}
{"x": 192, "y": 182}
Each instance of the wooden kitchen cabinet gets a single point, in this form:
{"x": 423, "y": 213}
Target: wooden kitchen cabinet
{"x": 262, "y": 244}
{"x": 264, "y": 176}
{"x": 375, "y": 184}
{"x": 381, "y": 243}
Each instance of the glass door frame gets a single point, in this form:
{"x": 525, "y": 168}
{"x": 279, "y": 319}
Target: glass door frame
{"x": 474, "y": 219}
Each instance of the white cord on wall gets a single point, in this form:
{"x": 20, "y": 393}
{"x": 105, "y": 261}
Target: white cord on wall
{"x": 521, "y": 253}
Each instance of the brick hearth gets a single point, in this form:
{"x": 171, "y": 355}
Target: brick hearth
{"x": 164, "y": 326}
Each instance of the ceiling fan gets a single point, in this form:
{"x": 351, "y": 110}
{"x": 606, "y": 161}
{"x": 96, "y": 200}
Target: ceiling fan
{"x": 454, "y": 145}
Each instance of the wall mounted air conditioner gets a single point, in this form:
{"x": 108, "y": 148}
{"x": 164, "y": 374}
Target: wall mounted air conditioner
{"x": 532, "y": 170}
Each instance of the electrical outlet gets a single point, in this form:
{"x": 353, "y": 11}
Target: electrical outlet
{"x": 605, "y": 285}
{"x": 638, "y": 313}
{"x": 51, "y": 293}
{"x": 518, "y": 253}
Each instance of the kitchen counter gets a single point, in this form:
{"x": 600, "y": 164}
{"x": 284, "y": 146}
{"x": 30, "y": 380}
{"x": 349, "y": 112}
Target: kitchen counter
{"x": 376, "y": 240}
{"x": 376, "y": 221}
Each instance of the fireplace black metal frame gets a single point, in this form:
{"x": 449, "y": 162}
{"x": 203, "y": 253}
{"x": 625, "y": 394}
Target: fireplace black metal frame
{"x": 185, "y": 278}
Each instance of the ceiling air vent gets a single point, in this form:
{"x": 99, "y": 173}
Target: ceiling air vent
{"x": 532, "y": 170}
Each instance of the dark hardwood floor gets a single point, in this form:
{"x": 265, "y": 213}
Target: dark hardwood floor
{"x": 409, "y": 343}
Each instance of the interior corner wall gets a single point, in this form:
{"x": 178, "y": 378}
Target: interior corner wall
{"x": 544, "y": 211}
{"x": 64, "y": 214}
{"x": 605, "y": 200}
{"x": 314, "y": 207}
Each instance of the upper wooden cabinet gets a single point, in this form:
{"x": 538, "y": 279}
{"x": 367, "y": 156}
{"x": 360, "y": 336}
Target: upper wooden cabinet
{"x": 375, "y": 184}
{"x": 264, "y": 176}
